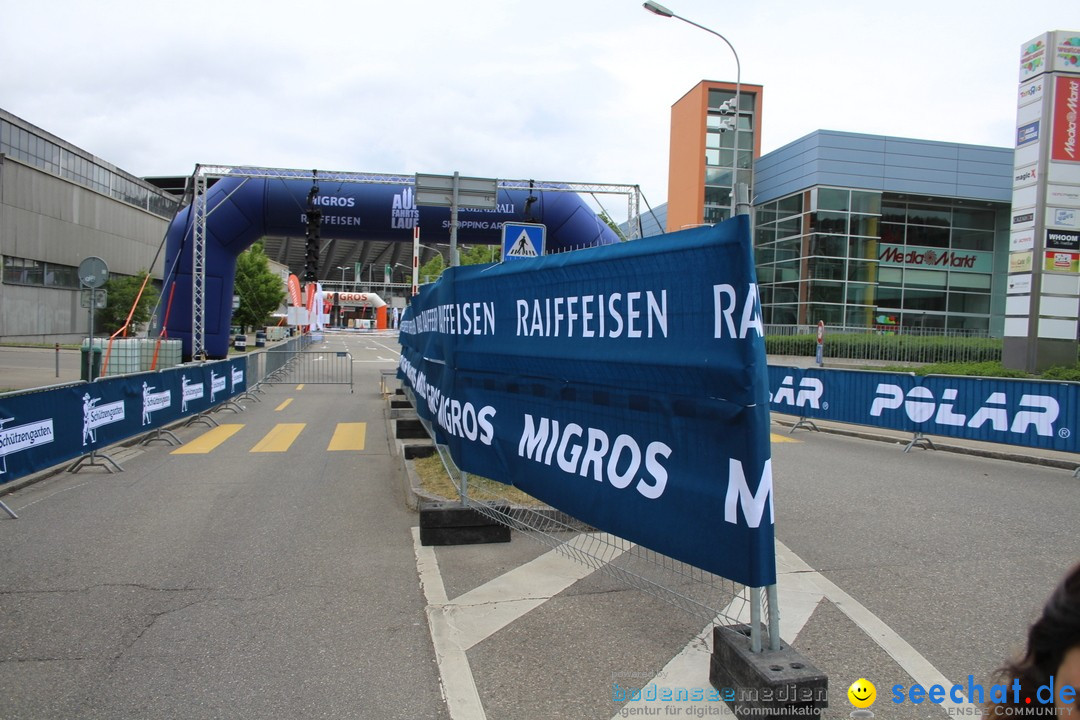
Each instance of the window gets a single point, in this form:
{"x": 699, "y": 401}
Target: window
{"x": 790, "y": 226}
{"x": 833, "y": 199}
{"x": 764, "y": 234}
{"x": 929, "y": 215}
{"x": 974, "y": 281}
{"x": 862, "y": 270}
{"x": 861, "y": 294}
{"x": 924, "y": 300}
{"x": 964, "y": 239}
{"x": 19, "y": 271}
{"x": 864, "y": 225}
{"x": 790, "y": 249}
{"x": 937, "y": 237}
{"x": 828, "y": 245}
{"x": 972, "y": 218}
{"x": 925, "y": 278}
{"x": 829, "y": 314}
{"x": 790, "y": 205}
{"x": 863, "y": 249}
{"x": 825, "y": 268}
{"x": 866, "y": 202}
{"x": 832, "y": 222}
{"x": 826, "y": 292}
{"x": 969, "y": 303}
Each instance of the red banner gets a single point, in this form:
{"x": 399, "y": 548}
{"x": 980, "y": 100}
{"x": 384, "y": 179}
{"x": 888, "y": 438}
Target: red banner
{"x": 294, "y": 291}
{"x": 1063, "y": 145}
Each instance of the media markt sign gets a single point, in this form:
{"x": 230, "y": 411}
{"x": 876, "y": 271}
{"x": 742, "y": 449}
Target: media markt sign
{"x": 936, "y": 259}
{"x": 523, "y": 240}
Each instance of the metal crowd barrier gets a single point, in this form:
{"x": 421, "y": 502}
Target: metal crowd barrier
{"x": 308, "y": 367}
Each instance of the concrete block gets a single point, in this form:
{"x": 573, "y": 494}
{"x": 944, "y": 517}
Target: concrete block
{"x": 450, "y": 523}
{"x": 409, "y": 429}
{"x": 771, "y": 683}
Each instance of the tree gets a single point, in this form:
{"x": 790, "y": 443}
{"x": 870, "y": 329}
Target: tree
{"x": 432, "y": 269}
{"x": 481, "y": 254}
{"x": 261, "y": 291}
{"x": 474, "y": 255}
{"x": 612, "y": 224}
{"x": 122, "y": 290}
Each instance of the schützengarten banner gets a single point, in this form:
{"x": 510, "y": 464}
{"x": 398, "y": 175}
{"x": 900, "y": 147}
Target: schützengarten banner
{"x": 625, "y": 385}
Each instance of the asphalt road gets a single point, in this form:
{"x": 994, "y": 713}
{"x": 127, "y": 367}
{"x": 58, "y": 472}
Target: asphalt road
{"x": 236, "y": 584}
{"x": 227, "y": 585}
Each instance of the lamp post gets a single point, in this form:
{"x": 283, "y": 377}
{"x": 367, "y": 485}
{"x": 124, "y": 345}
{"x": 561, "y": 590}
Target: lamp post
{"x": 658, "y": 9}
{"x": 340, "y": 309}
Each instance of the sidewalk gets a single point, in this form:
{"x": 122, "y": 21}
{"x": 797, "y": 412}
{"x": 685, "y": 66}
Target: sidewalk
{"x": 22, "y": 368}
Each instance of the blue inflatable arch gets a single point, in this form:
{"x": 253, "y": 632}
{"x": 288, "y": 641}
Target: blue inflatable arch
{"x": 243, "y": 210}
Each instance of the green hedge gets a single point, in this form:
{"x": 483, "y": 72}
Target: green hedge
{"x": 898, "y": 348}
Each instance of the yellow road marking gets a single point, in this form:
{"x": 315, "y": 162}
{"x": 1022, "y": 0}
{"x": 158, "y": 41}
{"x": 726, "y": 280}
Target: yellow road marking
{"x": 280, "y": 438}
{"x": 300, "y": 386}
{"x": 782, "y": 438}
{"x": 283, "y": 405}
{"x": 348, "y": 436}
{"x": 209, "y": 440}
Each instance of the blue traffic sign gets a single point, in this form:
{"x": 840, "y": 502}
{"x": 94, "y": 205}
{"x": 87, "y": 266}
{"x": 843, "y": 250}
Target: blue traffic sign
{"x": 523, "y": 240}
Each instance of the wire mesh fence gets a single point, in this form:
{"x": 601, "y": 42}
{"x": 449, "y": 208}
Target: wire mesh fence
{"x": 701, "y": 594}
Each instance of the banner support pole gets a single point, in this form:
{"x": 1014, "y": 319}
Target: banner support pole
{"x": 464, "y": 488}
{"x": 774, "y": 617}
{"x": 755, "y": 619}
{"x": 8, "y": 510}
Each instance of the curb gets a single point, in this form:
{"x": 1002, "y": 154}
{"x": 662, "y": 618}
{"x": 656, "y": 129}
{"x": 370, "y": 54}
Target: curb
{"x": 1011, "y": 456}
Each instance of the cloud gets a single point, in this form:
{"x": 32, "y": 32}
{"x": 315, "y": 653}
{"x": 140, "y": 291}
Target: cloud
{"x": 564, "y": 90}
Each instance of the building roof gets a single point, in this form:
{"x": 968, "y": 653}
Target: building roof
{"x": 888, "y": 164}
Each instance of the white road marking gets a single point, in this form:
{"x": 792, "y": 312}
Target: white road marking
{"x": 455, "y": 675}
{"x": 458, "y": 624}
{"x": 800, "y": 589}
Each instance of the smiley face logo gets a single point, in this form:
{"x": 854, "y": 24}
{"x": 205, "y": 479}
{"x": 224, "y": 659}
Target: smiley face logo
{"x": 862, "y": 693}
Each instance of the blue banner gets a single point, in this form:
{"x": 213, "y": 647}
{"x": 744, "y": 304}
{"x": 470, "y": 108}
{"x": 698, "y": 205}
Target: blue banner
{"x": 625, "y": 385}
{"x": 1032, "y": 413}
{"x": 40, "y": 429}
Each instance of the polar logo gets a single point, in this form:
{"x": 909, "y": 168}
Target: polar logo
{"x": 1038, "y": 411}
{"x": 809, "y": 394}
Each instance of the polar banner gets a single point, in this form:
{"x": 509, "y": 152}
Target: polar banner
{"x": 40, "y": 429}
{"x": 1032, "y": 413}
{"x": 625, "y": 385}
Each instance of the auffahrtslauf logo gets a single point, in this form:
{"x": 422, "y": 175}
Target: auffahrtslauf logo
{"x": 95, "y": 416}
{"x": 237, "y": 378}
{"x": 404, "y": 215}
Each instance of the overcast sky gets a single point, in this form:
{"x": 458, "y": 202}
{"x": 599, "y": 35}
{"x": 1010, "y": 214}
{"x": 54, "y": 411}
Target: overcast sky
{"x": 575, "y": 90}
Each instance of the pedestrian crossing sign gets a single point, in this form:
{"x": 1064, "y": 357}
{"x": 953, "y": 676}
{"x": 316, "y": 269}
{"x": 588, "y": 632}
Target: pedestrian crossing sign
{"x": 523, "y": 240}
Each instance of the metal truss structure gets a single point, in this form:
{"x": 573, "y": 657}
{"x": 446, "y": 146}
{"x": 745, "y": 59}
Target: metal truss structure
{"x": 205, "y": 173}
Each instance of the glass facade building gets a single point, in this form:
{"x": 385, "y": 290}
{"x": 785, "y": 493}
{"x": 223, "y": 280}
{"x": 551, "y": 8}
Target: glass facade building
{"x": 868, "y": 231}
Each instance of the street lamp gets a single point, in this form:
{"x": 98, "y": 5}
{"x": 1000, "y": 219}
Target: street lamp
{"x": 341, "y": 310}
{"x": 658, "y": 9}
